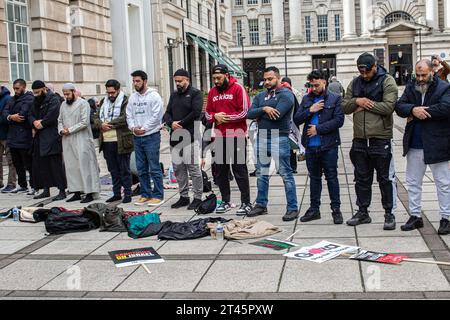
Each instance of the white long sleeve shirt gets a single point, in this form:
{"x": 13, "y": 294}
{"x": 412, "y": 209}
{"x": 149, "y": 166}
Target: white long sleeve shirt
{"x": 145, "y": 111}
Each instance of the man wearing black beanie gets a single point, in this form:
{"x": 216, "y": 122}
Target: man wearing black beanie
{"x": 183, "y": 111}
{"x": 47, "y": 163}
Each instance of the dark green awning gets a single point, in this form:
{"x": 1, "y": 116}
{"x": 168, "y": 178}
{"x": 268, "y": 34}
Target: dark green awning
{"x": 218, "y": 54}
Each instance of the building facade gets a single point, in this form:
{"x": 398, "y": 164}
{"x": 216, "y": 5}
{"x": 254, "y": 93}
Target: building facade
{"x": 331, "y": 34}
{"x": 90, "y": 41}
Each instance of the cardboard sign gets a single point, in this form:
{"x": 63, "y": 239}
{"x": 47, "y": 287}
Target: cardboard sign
{"x": 372, "y": 256}
{"x": 321, "y": 252}
{"x": 274, "y": 244}
{"x": 125, "y": 258}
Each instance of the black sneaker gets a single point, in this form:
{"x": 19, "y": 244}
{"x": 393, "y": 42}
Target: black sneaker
{"x": 337, "y": 216}
{"x": 360, "y": 217}
{"x": 126, "y": 199}
{"x": 182, "y": 202}
{"x": 195, "y": 203}
{"x": 253, "y": 174}
{"x": 389, "y": 222}
{"x": 244, "y": 210}
{"x": 43, "y": 195}
{"x": 76, "y": 197}
{"x": 444, "y": 227}
{"x": 88, "y": 198}
{"x": 114, "y": 199}
{"x": 291, "y": 215}
{"x": 60, "y": 196}
{"x": 310, "y": 215}
{"x": 257, "y": 211}
{"x": 413, "y": 222}
{"x": 223, "y": 207}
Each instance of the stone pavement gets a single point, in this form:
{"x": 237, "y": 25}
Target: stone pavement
{"x": 36, "y": 266}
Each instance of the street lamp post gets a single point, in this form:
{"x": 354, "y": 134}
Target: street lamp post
{"x": 285, "y": 41}
{"x": 242, "y": 44}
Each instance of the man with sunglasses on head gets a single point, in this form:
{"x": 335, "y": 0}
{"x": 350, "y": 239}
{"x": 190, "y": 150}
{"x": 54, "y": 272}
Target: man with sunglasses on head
{"x": 371, "y": 99}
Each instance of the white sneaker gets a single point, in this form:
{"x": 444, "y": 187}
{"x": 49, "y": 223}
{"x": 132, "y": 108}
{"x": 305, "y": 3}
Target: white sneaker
{"x": 32, "y": 192}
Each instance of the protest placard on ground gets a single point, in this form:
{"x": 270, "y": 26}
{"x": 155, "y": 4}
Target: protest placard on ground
{"x": 125, "y": 258}
{"x": 274, "y": 244}
{"x": 321, "y": 252}
{"x": 371, "y": 256}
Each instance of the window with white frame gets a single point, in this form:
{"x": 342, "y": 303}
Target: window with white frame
{"x": 199, "y": 13}
{"x": 253, "y": 29}
{"x": 209, "y": 19}
{"x": 308, "y": 28}
{"x": 322, "y": 27}
{"x": 337, "y": 26}
{"x": 18, "y": 40}
{"x": 238, "y": 3}
{"x": 250, "y": 2}
{"x": 266, "y": 2}
{"x": 268, "y": 30}
{"x": 239, "y": 32}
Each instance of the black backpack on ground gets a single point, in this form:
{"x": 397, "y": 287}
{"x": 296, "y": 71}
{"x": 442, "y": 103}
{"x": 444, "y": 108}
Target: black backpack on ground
{"x": 61, "y": 221}
{"x": 207, "y": 186}
{"x": 208, "y": 205}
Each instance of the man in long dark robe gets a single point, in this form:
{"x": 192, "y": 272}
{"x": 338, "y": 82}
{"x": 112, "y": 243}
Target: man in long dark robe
{"x": 48, "y": 167}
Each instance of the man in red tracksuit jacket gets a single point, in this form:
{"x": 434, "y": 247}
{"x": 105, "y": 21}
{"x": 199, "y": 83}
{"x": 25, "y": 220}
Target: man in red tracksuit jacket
{"x": 228, "y": 104}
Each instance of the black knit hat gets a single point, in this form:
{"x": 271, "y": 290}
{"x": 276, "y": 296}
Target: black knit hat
{"x": 38, "y": 84}
{"x": 366, "y": 61}
{"x": 181, "y": 73}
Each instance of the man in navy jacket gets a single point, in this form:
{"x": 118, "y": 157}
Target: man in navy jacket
{"x": 5, "y": 96}
{"x": 273, "y": 111}
{"x": 20, "y": 133}
{"x": 426, "y": 104}
{"x": 322, "y": 115}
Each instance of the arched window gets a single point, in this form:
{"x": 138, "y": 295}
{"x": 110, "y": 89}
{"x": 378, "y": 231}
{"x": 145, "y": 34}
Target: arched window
{"x": 397, "y": 16}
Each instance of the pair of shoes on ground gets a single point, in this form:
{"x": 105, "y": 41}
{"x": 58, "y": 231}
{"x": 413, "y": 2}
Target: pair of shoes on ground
{"x": 126, "y": 199}
{"x": 243, "y": 210}
{"x": 258, "y": 210}
{"x": 77, "y": 197}
{"x": 149, "y": 202}
{"x": 415, "y": 222}
{"x": 362, "y": 217}
{"x": 186, "y": 202}
{"x": 314, "y": 214}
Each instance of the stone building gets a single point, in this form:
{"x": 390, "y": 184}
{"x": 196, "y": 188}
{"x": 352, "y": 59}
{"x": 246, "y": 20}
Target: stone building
{"x": 330, "y": 34}
{"x": 90, "y": 41}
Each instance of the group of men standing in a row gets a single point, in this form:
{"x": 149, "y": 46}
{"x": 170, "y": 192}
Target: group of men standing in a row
{"x": 135, "y": 123}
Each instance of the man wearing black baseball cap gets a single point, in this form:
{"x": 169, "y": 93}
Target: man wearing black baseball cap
{"x": 371, "y": 99}
{"x": 227, "y": 108}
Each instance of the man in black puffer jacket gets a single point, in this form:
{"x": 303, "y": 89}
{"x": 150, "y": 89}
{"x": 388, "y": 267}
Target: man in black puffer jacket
{"x": 20, "y": 133}
{"x": 426, "y": 104}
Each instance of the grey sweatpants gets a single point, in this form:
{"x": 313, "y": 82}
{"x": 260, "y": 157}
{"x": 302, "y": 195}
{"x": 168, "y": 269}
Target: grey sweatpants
{"x": 186, "y": 162}
{"x": 415, "y": 171}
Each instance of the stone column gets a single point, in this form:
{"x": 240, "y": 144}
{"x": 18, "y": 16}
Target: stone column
{"x": 365, "y": 13}
{"x": 349, "y": 19}
{"x": 278, "y": 21}
{"x": 446, "y": 15}
{"x": 432, "y": 14}
{"x": 295, "y": 18}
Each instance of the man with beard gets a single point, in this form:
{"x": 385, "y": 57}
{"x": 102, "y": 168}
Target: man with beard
{"x": 228, "y": 104}
{"x": 441, "y": 68}
{"x": 322, "y": 115}
{"x": 426, "y": 104}
{"x": 78, "y": 146}
{"x": 144, "y": 118}
{"x": 115, "y": 139}
{"x": 184, "y": 108}
{"x": 19, "y": 137}
{"x": 48, "y": 167}
{"x": 273, "y": 111}
{"x": 371, "y": 99}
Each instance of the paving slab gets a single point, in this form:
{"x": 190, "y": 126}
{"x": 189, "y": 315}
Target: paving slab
{"x": 376, "y": 230}
{"x": 94, "y": 276}
{"x": 170, "y": 276}
{"x": 394, "y": 244}
{"x": 324, "y": 231}
{"x": 331, "y": 276}
{"x": 114, "y": 245}
{"x": 91, "y": 235}
{"x": 32, "y": 274}
{"x": 12, "y": 246}
{"x": 405, "y": 277}
{"x": 192, "y": 247}
{"x": 247, "y": 276}
{"x": 22, "y": 233}
{"x": 69, "y": 247}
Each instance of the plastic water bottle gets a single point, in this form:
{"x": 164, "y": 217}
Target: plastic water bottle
{"x": 15, "y": 212}
{"x": 219, "y": 231}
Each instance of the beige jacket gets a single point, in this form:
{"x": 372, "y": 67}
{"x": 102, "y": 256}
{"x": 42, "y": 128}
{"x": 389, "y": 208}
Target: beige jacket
{"x": 245, "y": 229}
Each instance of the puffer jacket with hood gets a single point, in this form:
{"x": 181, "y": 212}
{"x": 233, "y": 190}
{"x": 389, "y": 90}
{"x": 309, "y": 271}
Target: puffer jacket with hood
{"x": 19, "y": 133}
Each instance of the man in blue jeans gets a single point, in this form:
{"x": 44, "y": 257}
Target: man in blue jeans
{"x": 322, "y": 115}
{"x": 144, "y": 118}
{"x": 273, "y": 110}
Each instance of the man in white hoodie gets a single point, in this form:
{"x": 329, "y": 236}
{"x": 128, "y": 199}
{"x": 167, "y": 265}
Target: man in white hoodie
{"x": 144, "y": 118}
